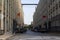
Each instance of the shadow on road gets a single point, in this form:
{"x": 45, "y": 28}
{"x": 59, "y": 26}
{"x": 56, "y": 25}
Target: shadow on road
{"x": 31, "y": 33}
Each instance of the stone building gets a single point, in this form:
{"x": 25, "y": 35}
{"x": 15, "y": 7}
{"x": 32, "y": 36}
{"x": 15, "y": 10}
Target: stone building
{"x": 48, "y": 11}
{"x": 9, "y": 10}
{"x": 40, "y": 16}
{"x": 54, "y": 14}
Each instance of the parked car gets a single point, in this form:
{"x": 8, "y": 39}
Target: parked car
{"x": 17, "y": 30}
{"x": 35, "y": 29}
{"x": 20, "y": 30}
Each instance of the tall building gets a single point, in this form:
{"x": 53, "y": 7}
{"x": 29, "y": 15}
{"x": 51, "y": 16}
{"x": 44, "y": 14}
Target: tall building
{"x": 10, "y": 10}
{"x": 19, "y": 13}
{"x": 54, "y": 14}
{"x": 40, "y": 15}
{"x": 48, "y": 14}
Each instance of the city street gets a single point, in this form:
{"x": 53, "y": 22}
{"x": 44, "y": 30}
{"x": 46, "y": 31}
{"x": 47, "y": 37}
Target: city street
{"x": 29, "y": 35}
{"x": 29, "y": 19}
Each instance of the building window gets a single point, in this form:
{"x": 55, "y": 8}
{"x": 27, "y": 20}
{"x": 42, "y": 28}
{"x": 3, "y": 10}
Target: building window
{"x": 59, "y": 3}
{"x": 56, "y": 6}
{"x": 4, "y": 13}
{"x": 53, "y": 0}
{"x": 0, "y": 11}
{"x": 9, "y": 4}
{"x": 6, "y": 21}
{"x": 7, "y": 15}
{"x": 49, "y": 14}
{"x": 53, "y": 9}
{"x": 49, "y": 6}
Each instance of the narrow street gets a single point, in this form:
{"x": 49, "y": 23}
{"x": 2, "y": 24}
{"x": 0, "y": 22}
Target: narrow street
{"x": 29, "y": 19}
{"x": 29, "y": 35}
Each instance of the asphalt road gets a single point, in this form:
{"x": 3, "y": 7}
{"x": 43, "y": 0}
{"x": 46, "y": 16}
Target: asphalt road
{"x": 29, "y": 35}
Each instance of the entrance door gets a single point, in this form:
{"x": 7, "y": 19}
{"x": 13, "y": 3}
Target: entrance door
{"x": 14, "y": 26}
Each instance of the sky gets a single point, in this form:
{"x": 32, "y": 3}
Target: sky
{"x": 29, "y": 10}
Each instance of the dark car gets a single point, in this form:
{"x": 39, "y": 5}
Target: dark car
{"x": 22, "y": 30}
{"x": 17, "y": 30}
{"x": 36, "y": 29}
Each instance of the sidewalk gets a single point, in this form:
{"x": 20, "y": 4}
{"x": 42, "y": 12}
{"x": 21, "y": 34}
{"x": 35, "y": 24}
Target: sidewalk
{"x": 5, "y": 36}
